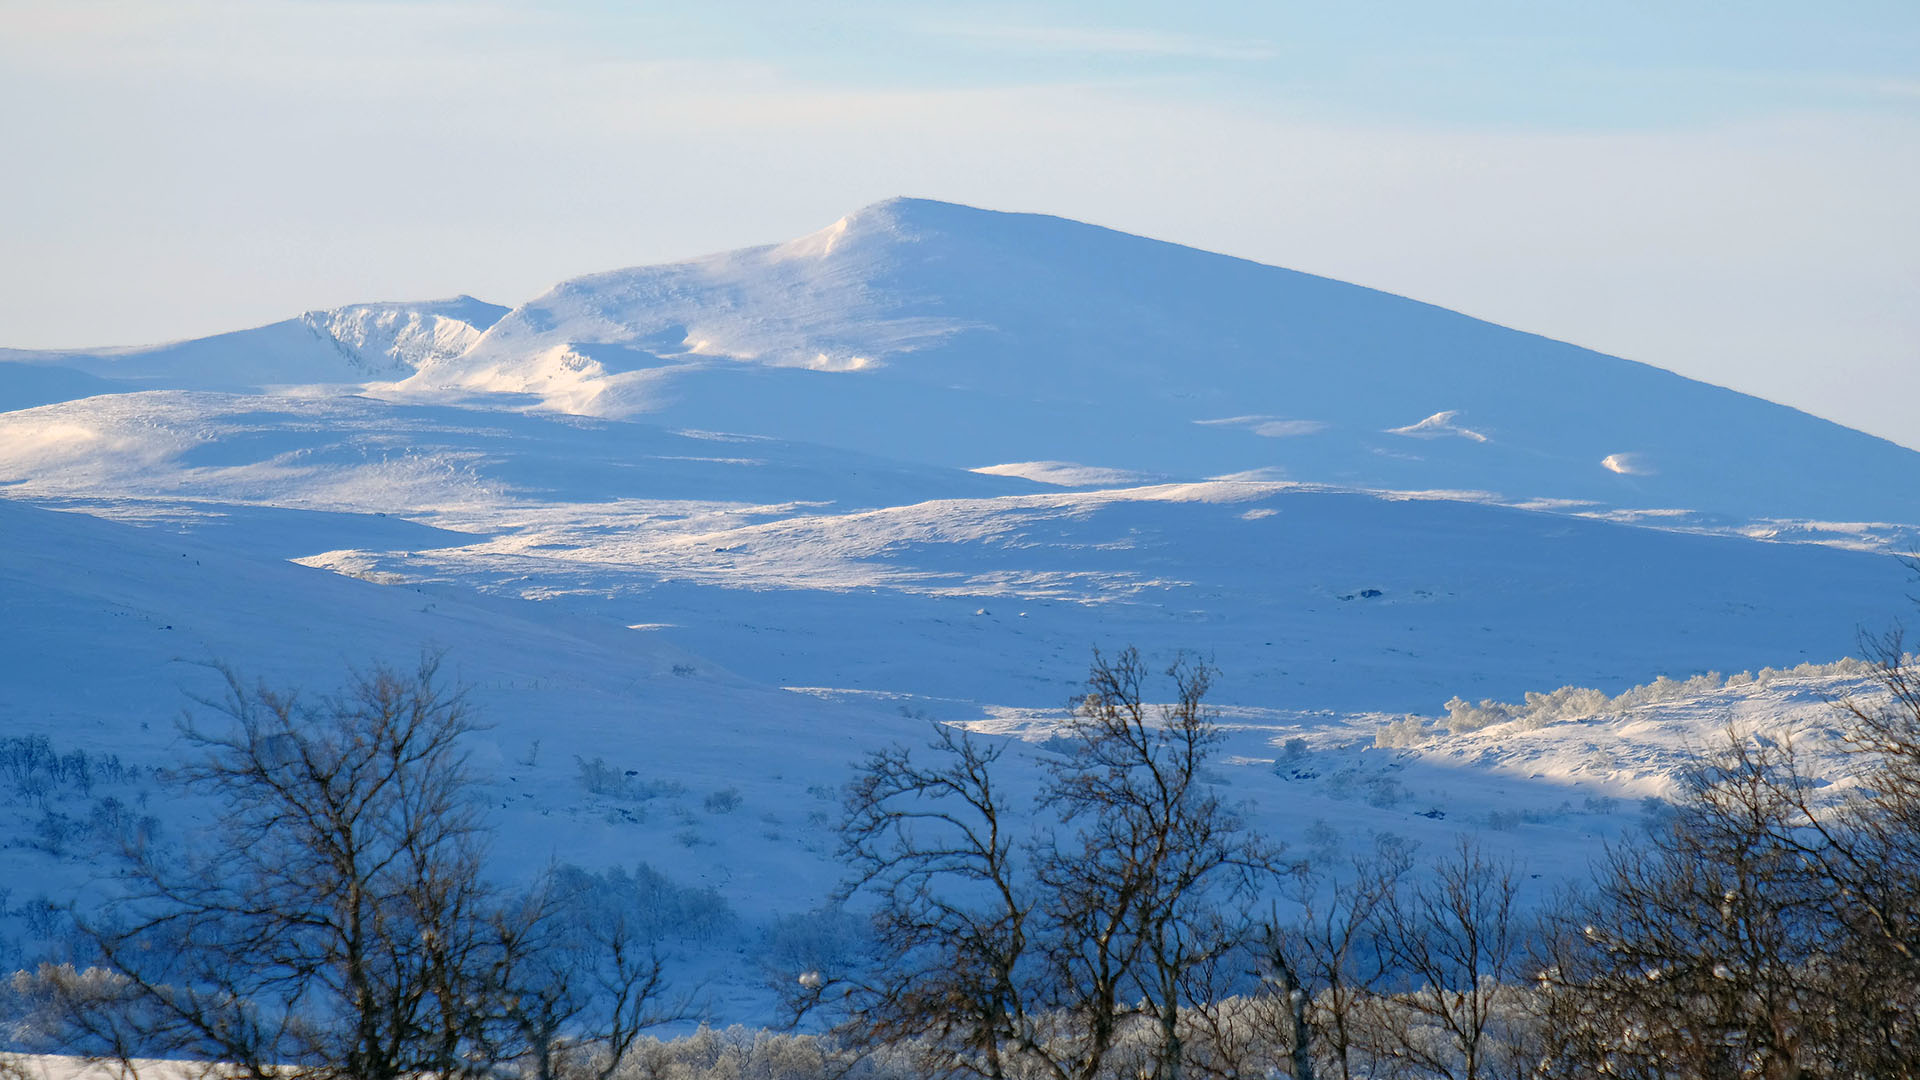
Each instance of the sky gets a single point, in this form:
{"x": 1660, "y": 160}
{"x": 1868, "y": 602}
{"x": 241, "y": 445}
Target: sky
{"x": 1725, "y": 190}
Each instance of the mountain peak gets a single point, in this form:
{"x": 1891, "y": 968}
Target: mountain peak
{"x": 949, "y": 334}
{"x": 900, "y": 219}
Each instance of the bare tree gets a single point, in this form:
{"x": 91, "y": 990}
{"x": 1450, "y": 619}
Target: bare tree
{"x": 1859, "y": 856}
{"x": 1458, "y": 941}
{"x": 1700, "y": 953}
{"x": 329, "y": 913}
{"x": 934, "y": 846}
{"x": 333, "y": 919}
{"x": 1007, "y": 950}
{"x": 578, "y": 982}
{"x": 1329, "y": 962}
{"x": 1241, "y": 1036}
{"x": 1156, "y": 869}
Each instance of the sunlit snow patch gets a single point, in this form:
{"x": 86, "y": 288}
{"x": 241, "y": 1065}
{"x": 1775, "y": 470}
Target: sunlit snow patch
{"x": 826, "y": 362}
{"x": 396, "y": 339}
{"x": 1627, "y": 464}
{"x": 1067, "y": 474}
{"x": 817, "y": 245}
{"x": 1438, "y": 425}
{"x": 1271, "y": 427}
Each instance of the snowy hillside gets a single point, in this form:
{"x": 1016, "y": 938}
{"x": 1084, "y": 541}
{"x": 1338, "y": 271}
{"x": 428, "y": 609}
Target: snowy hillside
{"x": 963, "y": 337}
{"x": 341, "y": 345}
{"x": 721, "y": 781}
{"x": 698, "y": 536}
{"x": 802, "y": 565}
{"x": 728, "y": 782}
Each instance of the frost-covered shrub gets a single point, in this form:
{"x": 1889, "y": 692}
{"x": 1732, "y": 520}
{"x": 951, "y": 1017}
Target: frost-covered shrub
{"x": 43, "y": 916}
{"x": 1578, "y": 702}
{"x": 739, "y": 1053}
{"x": 1407, "y": 731}
{"x": 1463, "y": 716}
{"x": 1655, "y": 813}
{"x": 653, "y": 907}
{"x": 723, "y": 802}
{"x": 53, "y": 832}
{"x": 825, "y": 939}
{"x": 1562, "y": 704}
{"x": 114, "y": 824}
{"x": 600, "y": 778}
{"x": 31, "y": 767}
{"x": 1385, "y": 792}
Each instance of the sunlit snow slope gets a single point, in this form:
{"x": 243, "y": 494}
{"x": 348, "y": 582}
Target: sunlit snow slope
{"x": 946, "y": 334}
{"x": 340, "y": 345}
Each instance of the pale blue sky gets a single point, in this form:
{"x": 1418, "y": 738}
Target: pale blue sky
{"x": 1721, "y": 189}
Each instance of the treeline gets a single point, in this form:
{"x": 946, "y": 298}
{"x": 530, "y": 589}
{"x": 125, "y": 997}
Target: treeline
{"x": 30, "y": 768}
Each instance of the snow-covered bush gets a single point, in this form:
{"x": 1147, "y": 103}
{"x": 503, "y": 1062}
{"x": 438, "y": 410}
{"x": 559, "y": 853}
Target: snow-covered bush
{"x": 739, "y": 1053}
{"x": 1578, "y": 702}
{"x": 32, "y": 768}
{"x": 600, "y": 778}
{"x": 654, "y": 907}
{"x": 1463, "y": 716}
{"x": 1405, "y": 732}
{"x": 824, "y": 939}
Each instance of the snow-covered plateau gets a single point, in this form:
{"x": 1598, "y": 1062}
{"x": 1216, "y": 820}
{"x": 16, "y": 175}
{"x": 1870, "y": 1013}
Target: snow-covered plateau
{"x": 717, "y": 529}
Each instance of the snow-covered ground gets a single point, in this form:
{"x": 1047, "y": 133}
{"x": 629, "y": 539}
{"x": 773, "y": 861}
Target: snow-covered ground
{"x": 699, "y": 536}
{"x": 52, "y": 1067}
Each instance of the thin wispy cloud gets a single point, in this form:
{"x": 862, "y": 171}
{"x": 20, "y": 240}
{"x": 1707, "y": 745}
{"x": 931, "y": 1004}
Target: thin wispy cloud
{"x": 1107, "y": 41}
{"x": 1802, "y": 84}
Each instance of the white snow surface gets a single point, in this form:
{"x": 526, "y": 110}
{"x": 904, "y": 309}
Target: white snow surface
{"x": 732, "y": 523}
{"x": 339, "y": 345}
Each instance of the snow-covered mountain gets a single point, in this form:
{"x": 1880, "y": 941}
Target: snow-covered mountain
{"x": 339, "y": 345}
{"x": 963, "y": 337}
{"x": 731, "y": 522}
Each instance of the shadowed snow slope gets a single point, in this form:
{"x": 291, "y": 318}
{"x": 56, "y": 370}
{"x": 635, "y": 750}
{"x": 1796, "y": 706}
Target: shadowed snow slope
{"x": 125, "y": 621}
{"x": 805, "y": 565}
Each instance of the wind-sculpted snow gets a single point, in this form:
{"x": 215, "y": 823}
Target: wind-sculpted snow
{"x": 349, "y": 344}
{"x": 397, "y": 339}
